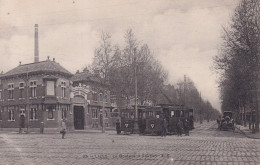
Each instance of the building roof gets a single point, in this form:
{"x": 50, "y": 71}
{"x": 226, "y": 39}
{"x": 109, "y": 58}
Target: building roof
{"x": 43, "y": 66}
{"x": 85, "y": 76}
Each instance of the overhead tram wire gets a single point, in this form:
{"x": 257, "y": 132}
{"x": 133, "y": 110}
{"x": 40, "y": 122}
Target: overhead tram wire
{"x": 96, "y": 19}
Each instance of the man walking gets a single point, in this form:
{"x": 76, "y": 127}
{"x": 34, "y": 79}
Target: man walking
{"x": 63, "y": 128}
{"x": 179, "y": 127}
{"x": 187, "y": 127}
{"x": 164, "y": 127}
{"x": 118, "y": 128}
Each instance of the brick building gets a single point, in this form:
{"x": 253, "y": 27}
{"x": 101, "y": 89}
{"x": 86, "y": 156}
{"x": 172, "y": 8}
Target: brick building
{"x": 35, "y": 93}
{"x": 45, "y": 92}
{"x": 89, "y": 97}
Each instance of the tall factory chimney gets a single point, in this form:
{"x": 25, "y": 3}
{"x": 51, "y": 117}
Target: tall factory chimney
{"x": 36, "y": 44}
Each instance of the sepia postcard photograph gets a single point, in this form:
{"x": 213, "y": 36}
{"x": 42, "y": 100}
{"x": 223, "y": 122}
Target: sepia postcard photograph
{"x": 129, "y": 82}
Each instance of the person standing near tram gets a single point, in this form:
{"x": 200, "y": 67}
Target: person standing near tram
{"x": 164, "y": 127}
{"x": 118, "y": 127}
{"x": 179, "y": 127}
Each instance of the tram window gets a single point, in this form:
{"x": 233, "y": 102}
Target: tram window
{"x": 172, "y": 113}
{"x": 182, "y": 114}
{"x": 177, "y": 113}
{"x": 132, "y": 115}
{"x": 144, "y": 115}
{"x": 124, "y": 114}
{"x": 151, "y": 114}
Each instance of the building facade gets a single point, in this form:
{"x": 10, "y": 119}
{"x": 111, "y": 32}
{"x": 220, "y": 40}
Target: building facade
{"x": 43, "y": 93}
{"x": 91, "y": 102}
{"x": 35, "y": 93}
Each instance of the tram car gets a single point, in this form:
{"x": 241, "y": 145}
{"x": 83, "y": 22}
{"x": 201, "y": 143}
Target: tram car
{"x": 174, "y": 113}
{"x": 150, "y": 118}
{"x": 227, "y": 121}
{"x": 127, "y": 120}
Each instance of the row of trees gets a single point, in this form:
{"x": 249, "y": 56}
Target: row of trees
{"x": 187, "y": 94}
{"x": 117, "y": 64}
{"x": 238, "y": 60}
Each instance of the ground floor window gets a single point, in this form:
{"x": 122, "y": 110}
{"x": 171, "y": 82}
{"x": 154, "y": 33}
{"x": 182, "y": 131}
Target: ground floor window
{"x": 33, "y": 113}
{"x": 94, "y": 113}
{"x": 50, "y": 109}
{"x": 0, "y": 114}
{"x": 11, "y": 114}
{"x": 50, "y": 114}
{"x": 63, "y": 113}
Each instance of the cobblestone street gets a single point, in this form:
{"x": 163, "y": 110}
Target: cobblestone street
{"x": 205, "y": 145}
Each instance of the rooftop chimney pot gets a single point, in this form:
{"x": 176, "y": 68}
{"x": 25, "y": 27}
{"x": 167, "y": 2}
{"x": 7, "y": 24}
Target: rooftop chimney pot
{"x": 20, "y": 63}
{"x": 54, "y": 59}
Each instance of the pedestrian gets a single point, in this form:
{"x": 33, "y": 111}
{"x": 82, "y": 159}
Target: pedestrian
{"x": 219, "y": 121}
{"x": 187, "y": 127}
{"x": 179, "y": 127}
{"x": 63, "y": 128}
{"x": 118, "y": 127}
{"x": 164, "y": 127}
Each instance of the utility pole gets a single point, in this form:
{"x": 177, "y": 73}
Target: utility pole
{"x": 27, "y": 100}
{"x": 200, "y": 110}
{"x": 136, "y": 128}
{"x": 184, "y": 91}
{"x": 103, "y": 113}
{"x": 208, "y": 111}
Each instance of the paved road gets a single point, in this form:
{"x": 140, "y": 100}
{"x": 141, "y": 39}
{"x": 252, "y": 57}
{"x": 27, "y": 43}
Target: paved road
{"x": 205, "y": 145}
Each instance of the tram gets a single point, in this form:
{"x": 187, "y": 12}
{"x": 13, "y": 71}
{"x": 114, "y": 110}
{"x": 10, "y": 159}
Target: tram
{"x": 150, "y": 118}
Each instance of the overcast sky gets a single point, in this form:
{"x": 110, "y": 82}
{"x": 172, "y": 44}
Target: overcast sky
{"x": 183, "y": 34}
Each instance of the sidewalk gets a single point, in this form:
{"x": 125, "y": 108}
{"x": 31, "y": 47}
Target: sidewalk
{"x": 248, "y": 133}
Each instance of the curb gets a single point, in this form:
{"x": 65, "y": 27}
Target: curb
{"x": 250, "y": 137}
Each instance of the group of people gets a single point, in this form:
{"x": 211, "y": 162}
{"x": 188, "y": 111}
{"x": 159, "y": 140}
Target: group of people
{"x": 183, "y": 126}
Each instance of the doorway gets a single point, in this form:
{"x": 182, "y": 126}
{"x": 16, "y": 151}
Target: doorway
{"x": 79, "y": 118}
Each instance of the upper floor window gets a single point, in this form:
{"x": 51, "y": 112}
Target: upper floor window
{"x": 106, "y": 98}
{"x": 33, "y": 87}
{"x": 0, "y": 94}
{"x": 50, "y": 88}
{"x": 100, "y": 97}
{"x": 11, "y": 114}
{"x": 95, "y": 96}
{"x": 63, "y": 89}
{"x": 11, "y": 91}
{"x": 94, "y": 113}
{"x": 33, "y": 114}
{"x": 0, "y": 114}
{"x": 21, "y": 88}
{"x": 106, "y": 114}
